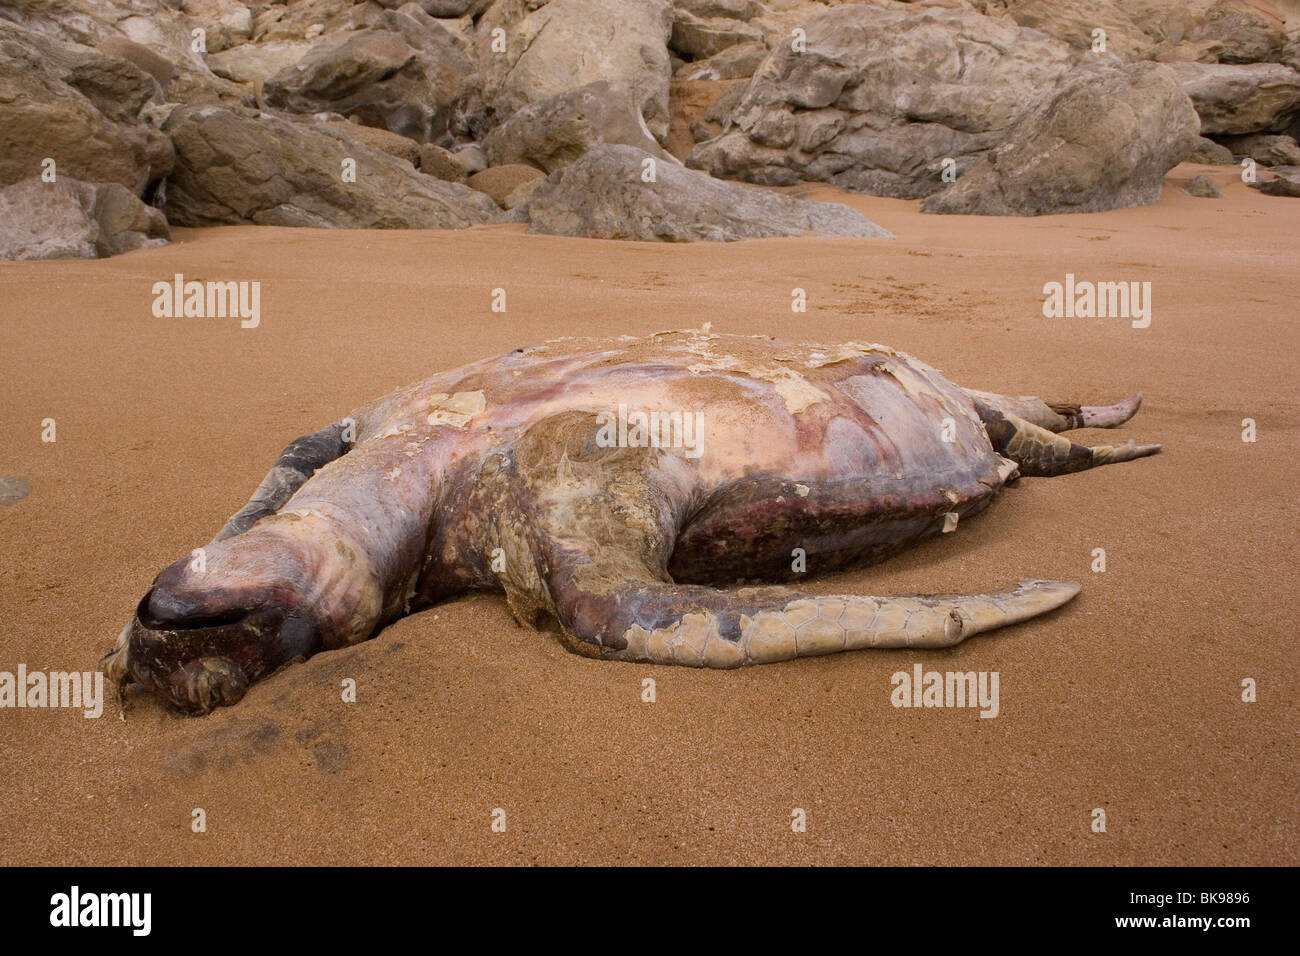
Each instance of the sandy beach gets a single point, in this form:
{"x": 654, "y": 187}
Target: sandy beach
{"x": 1129, "y": 699}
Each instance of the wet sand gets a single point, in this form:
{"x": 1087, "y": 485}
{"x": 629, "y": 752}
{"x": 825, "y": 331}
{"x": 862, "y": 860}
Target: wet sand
{"x": 1128, "y": 699}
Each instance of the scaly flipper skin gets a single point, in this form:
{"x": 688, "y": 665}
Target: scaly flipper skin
{"x": 510, "y": 475}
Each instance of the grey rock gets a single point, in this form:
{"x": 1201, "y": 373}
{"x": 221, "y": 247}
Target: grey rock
{"x": 881, "y": 97}
{"x": 241, "y": 167}
{"x": 1073, "y": 23}
{"x": 725, "y": 106}
{"x": 556, "y": 131}
{"x": 69, "y": 219}
{"x": 603, "y": 195}
{"x": 1241, "y": 98}
{"x": 1105, "y": 141}
{"x": 444, "y": 8}
{"x": 1207, "y": 151}
{"x": 1203, "y": 187}
{"x": 1286, "y": 182}
{"x": 77, "y": 106}
{"x": 733, "y": 63}
{"x": 255, "y": 62}
{"x": 13, "y": 490}
{"x": 565, "y": 44}
{"x": 694, "y": 38}
{"x": 1269, "y": 149}
{"x": 730, "y": 9}
{"x": 413, "y": 78}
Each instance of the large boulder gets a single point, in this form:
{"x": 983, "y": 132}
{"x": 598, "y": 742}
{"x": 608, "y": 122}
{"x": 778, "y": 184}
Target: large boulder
{"x": 1228, "y": 31}
{"x": 500, "y": 182}
{"x": 605, "y": 195}
{"x": 743, "y": 10}
{"x": 1286, "y": 182}
{"x": 79, "y": 107}
{"x": 225, "y": 23}
{"x": 1209, "y": 152}
{"x": 305, "y": 20}
{"x": 554, "y": 132}
{"x": 881, "y": 97}
{"x": 1075, "y": 22}
{"x": 1233, "y": 99}
{"x": 1224, "y": 31}
{"x": 155, "y": 64}
{"x": 444, "y": 8}
{"x": 1105, "y": 141}
{"x": 697, "y": 38}
{"x": 255, "y": 62}
{"x": 733, "y": 63}
{"x": 69, "y": 219}
{"x": 237, "y": 167}
{"x": 168, "y": 32}
{"x": 414, "y": 78}
{"x": 566, "y": 44}
{"x": 1267, "y": 148}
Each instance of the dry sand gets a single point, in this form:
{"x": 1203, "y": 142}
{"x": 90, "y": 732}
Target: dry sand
{"x": 1128, "y": 699}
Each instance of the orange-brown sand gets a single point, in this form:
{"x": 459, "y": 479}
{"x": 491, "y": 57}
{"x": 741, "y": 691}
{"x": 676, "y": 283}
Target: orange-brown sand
{"x": 1129, "y": 699}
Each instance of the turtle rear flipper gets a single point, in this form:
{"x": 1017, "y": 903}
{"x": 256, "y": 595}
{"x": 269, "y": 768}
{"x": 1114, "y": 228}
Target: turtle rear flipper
{"x": 1040, "y": 453}
{"x": 601, "y": 527}
{"x": 1059, "y": 416}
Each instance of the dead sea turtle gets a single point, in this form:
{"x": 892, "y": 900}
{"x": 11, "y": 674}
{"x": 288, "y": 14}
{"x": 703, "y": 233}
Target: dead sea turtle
{"x": 615, "y": 485}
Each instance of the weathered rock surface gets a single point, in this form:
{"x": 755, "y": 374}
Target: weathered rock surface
{"x": 1241, "y": 98}
{"x": 1104, "y": 142}
{"x": 556, "y": 131}
{"x": 413, "y": 78}
{"x": 159, "y": 67}
{"x": 440, "y": 163}
{"x": 234, "y": 167}
{"x": 225, "y": 23}
{"x": 882, "y": 97}
{"x": 698, "y": 38}
{"x": 1202, "y": 187}
{"x": 743, "y": 10}
{"x": 733, "y": 63}
{"x": 1228, "y": 31}
{"x": 603, "y": 195}
{"x": 69, "y": 219}
{"x": 255, "y": 62}
{"x": 1266, "y": 148}
{"x": 566, "y": 44}
{"x": 1208, "y": 151}
{"x": 78, "y": 107}
{"x": 500, "y": 181}
{"x": 1074, "y": 23}
{"x": 306, "y": 19}
{"x": 1285, "y": 183}
{"x": 380, "y": 139}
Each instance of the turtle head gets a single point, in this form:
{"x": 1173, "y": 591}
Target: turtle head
{"x": 235, "y": 610}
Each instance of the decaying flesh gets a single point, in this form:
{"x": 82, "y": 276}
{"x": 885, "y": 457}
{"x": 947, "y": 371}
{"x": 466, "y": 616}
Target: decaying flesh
{"x": 496, "y": 476}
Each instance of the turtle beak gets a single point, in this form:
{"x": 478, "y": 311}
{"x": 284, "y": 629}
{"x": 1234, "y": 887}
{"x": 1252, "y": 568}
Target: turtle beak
{"x": 200, "y": 648}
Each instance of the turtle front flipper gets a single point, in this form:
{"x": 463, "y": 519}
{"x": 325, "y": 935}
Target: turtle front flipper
{"x": 298, "y": 462}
